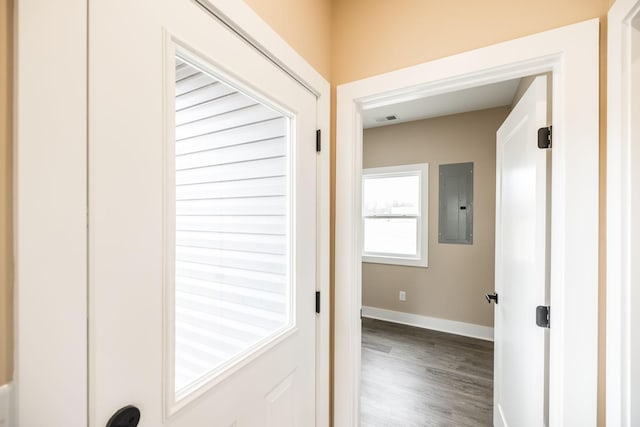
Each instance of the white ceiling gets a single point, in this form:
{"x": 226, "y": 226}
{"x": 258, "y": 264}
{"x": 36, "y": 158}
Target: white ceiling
{"x": 477, "y": 98}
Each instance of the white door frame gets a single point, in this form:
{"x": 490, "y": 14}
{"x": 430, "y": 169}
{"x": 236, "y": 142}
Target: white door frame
{"x": 51, "y": 205}
{"x": 623, "y": 235}
{"x": 571, "y": 53}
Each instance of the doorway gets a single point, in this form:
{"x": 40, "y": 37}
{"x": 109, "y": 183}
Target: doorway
{"x": 575, "y": 177}
{"x": 433, "y": 319}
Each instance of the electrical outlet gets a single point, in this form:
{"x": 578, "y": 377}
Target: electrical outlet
{"x": 402, "y": 296}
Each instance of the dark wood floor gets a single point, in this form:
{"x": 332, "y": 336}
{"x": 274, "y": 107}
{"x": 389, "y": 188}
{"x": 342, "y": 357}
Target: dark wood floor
{"x": 418, "y": 377}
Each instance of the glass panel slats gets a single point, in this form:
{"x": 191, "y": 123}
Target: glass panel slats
{"x": 268, "y": 129}
{"x": 258, "y": 243}
{"x": 232, "y": 281}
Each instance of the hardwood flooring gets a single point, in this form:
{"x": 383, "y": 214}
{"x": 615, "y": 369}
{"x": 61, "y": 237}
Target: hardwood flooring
{"x": 417, "y": 377}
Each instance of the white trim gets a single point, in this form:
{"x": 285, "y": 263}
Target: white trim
{"x": 50, "y": 213}
{"x": 255, "y": 44}
{"x": 571, "y": 53}
{"x": 245, "y": 18}
{"x": 436, "y": 324}
{"x": 51, "y": 254}
{"x": 623, "y": 238}
{"x": 323, "y": 256}
{"x": 421, "y": 259}
{"x": 6, "y": 405}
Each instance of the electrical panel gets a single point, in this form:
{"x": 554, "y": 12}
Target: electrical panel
{"x": 455, "y": 211}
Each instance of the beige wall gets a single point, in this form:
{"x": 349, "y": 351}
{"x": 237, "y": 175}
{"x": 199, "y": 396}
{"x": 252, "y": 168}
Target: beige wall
{"x": 458, "y": 276}
{"x": 6, "y": 253}
{"x": 373, "y": 37}
{"x": 305, "y": 25}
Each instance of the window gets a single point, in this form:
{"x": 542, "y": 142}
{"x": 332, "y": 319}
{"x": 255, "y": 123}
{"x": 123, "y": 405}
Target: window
{"x": 233, "y": 287}
{"x": 394, "y": 215}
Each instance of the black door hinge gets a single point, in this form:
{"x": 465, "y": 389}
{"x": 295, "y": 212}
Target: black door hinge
{"x": 317, "y": 301}
{"x": 491, "y": 297}
{"x": 544, "y": 137}
{"x": 543, "y": 316}
{"x": 318, "y": 141}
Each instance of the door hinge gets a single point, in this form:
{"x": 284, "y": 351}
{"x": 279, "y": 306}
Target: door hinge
{"x": 317, "y": 301}
{"x": 318, "y": 141}
{"x": 544, "y": 137}
{"x": 543, "y": 316}
{"x": 491, "y": 297}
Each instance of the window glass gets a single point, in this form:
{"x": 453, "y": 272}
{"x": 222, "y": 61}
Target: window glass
{"x": 393, "y": 236}
{"x": 232, "y": 226}
{"x": 391, "y": 195}
{"x": 394, "y": 214}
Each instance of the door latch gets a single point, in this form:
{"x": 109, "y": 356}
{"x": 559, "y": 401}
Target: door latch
{"x": 493, "y": 296}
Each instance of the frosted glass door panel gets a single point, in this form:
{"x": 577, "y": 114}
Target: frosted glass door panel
{"x": 232, "y": 225}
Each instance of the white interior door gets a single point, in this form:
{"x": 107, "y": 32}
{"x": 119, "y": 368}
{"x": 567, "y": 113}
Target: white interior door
{"x": 522, "y": 267}
{"x": 202, "y": 229}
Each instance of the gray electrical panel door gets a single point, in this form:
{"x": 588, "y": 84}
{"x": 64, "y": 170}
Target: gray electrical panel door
{"x": 455, "y": 212}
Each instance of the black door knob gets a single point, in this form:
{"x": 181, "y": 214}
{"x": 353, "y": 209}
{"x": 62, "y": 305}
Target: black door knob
{"x": 490, "y": 297}
{"x": 129, "y": 416}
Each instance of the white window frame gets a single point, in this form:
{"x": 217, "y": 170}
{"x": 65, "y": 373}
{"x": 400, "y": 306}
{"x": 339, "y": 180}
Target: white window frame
{"x": 422, "y": 232}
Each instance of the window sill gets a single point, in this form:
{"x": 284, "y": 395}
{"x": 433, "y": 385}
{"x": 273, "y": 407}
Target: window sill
{"x": 411, "y": 262}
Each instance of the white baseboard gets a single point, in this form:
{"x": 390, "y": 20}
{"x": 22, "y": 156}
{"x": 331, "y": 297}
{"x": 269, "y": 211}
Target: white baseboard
{"x": 5, "y": 405}
{"x": 434, "y": 323}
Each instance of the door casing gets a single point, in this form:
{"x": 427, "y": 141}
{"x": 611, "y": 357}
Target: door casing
{"x": 623, "y": 236}
{"x": 51, "y": 369}
{"x": 571, "y": 54}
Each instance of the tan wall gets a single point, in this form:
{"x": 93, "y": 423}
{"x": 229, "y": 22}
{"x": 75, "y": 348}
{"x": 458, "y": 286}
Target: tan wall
{"x": 305, "y": 25}
{"x": 373, "y": 37}
{"x": 458, "y": 276}
{"x": 6, "y": 232}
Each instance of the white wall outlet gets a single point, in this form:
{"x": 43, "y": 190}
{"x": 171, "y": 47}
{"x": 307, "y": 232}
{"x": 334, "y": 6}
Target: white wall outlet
{"x": 402, "y": 296}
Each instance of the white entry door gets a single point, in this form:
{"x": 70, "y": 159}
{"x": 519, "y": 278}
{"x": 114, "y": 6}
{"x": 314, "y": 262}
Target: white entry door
{"x": 202, "y": 233}
{"x": 522, "y": 264}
